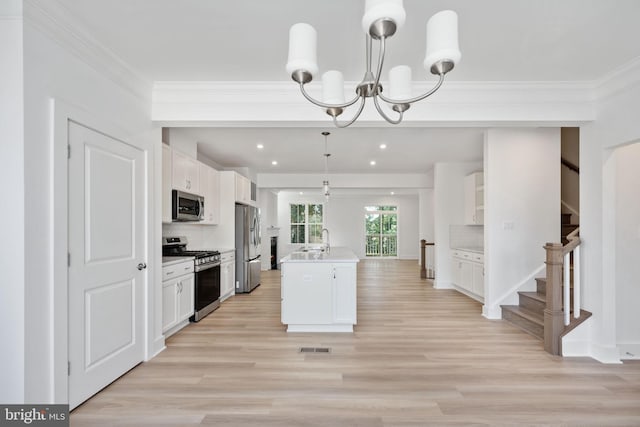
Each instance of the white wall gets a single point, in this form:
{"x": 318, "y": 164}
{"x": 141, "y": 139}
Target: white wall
{"x": 344, "y": 218}
{"x": 12, "y": 290}
{"x": 448, "y": 202}
{"x": 522, "y": 208}
{"x": 627, "y": 214}
{"x": 54, "y": 72}
{"x": 425, "y": 201}
{"x": 617, "y": 124}
{"x": 268, "y": 204}
{"x": 570, "y": 180}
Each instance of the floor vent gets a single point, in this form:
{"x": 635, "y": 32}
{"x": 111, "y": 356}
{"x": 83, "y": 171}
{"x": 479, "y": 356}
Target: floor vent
{"x": 315, "y": 350}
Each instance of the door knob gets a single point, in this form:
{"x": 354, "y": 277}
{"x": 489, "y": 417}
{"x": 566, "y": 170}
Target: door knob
{"x": 142, "y": 266}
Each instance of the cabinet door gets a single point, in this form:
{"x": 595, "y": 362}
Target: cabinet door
{"x": 478, "y": 279}
{"x": 456, "y": 269}
{"x": 307, "y": 294}
{"x": 185, "y": 297}
{"x": 227, "y": 278}
{"x": 213, "y": 203}
{"x": 469, "y": 200}
{"x": 344, "y": 293}
{"x": 466, "y": 275}
{"x": 166, "y": 183}
{"x": 169, "y": 304}
{"x": 243, "y": 189}
{"x": 205, "y": 191}
{"x": 185, "y": 173}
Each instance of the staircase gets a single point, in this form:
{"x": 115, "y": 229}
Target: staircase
{"x": 529, "y": 314}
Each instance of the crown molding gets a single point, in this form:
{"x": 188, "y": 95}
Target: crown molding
{"x": 455, "y": 104}
{"x": 618, "y": 81}
{"x": 54, "y": 20}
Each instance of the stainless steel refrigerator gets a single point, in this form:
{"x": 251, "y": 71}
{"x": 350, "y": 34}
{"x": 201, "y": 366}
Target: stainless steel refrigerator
{"x": 247, "y": 248}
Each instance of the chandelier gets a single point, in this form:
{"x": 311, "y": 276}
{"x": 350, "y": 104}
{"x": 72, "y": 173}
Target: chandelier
{"x": 381, "y": 20}
{"x": 325, "y": 183}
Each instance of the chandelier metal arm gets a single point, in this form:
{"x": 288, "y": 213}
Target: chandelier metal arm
{"x": 381, "y": 53}
{"x": 325, "y": 105}
{"x": 350, "y": 122}
{"x": 382, "y": 113}
{"x": 417, "y": 98}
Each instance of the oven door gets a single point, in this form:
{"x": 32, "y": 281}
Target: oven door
{"x": 207, "y": 290}
{"x": 186, "y": 206}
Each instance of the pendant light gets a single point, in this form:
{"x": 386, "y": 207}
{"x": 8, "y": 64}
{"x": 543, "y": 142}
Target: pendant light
{"x": 325, "y": 183}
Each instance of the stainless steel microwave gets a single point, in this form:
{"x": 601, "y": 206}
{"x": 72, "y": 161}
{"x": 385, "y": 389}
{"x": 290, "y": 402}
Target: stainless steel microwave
{"x": 186, "y": 206}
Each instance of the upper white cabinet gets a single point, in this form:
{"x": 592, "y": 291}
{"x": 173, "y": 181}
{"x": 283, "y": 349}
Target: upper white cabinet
{"x": 474, "y": 199}
{"x": 243, "y": 189}
{"x": 185, "y": 173}
{"x": 166, "y": 183}
{"x": 209, "y": 180}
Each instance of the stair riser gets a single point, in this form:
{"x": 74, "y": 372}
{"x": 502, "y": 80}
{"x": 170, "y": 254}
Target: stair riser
{"x": 532, "y": 304}
{"x": 524, "y": 324}
{"x": 541, "y": 286}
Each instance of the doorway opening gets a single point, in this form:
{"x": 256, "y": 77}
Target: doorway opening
{"x": 381, "y": 231}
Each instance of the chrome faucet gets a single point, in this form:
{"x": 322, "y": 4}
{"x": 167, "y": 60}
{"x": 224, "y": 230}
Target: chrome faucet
{"x": 326, "y": 242}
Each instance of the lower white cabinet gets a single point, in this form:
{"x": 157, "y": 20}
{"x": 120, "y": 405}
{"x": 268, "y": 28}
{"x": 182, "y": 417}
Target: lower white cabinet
{"x": 468, "y": 272}
{"x": 227, "y": 274}
{"x": 177, "y": 296}
{"x": 319, "y": 297}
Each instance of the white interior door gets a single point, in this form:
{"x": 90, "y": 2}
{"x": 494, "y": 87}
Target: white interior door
{"x": 107, "y": 206}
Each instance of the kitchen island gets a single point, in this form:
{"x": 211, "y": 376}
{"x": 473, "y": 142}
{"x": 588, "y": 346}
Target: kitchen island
{"x": 318, "y": 290}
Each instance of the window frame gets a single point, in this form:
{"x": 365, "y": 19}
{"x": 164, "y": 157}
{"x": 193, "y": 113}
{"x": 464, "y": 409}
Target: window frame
{"x": 306, "y": 224}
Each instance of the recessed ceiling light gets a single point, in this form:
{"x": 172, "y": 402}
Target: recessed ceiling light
{"x": 392, "y": 193}
{"x": 383, "y": 146}
{"x": 274, "y": 162}
{"x": 301, "y": 193}
{"x": 260, "y": 146}
{"x": 372, "y": 162}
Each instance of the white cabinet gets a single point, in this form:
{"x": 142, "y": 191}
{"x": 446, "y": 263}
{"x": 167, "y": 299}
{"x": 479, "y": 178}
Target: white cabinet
{"x": 477, "y": 279}
{"x": 344, "y": 293}
{"x": 243, "y": 189}
{"x": 319, "y": 296}
{"x": 474, "y": 199}
{"x": 185, "y": 173}
{"x": 468, "y": 272}
{"x": 209, "y": 180}
{"x": 166, "y": 183}
{"x": 177, "y": 296}
{"x": 227, "y": 274}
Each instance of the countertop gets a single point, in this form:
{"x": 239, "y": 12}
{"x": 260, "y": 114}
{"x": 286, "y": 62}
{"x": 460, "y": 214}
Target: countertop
{"x": 337, "y": 254}
{"x": 476, "y": 250}
{"x": 170, "y": 260}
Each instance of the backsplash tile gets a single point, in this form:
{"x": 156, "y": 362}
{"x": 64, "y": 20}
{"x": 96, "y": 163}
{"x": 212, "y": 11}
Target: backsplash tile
{"x": 466, "y": 236}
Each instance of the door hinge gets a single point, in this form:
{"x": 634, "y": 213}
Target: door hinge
{"x": 68, "y": 259}
{"x": 68, "y": 151}
{"x": 69, "y": 368}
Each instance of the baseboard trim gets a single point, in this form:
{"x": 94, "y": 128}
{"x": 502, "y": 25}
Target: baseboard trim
{"x": 629, "y": 351}
{"x": 493, "y": 313}
{"x": 440, "y": 284}
{"x": 605, "y": 354}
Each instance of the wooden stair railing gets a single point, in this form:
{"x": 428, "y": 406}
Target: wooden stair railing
{"x": 557, "y": 319}
{"x": 426, "y": 260}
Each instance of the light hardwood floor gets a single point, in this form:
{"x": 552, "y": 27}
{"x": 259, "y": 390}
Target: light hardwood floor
{"x": 418, "y": 357}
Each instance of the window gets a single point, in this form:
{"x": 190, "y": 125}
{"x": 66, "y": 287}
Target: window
{"x": 381, "y": 231}
{"x": 307, "y": 222}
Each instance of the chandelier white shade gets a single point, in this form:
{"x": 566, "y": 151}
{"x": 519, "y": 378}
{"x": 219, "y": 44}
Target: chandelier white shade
{"x": 380, "y": 21}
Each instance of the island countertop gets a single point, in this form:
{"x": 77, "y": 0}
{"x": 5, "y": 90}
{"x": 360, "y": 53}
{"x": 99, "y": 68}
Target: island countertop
{"x": 337, "y": 254}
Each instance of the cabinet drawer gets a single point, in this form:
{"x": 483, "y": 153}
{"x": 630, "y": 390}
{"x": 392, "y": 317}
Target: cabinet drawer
{"x": 477, "y": 258}
{"x": 175, "y": 270}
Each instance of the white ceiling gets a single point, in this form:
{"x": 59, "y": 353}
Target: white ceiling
{"x": 300, "y": 150}
{"x": 247, "y": 40}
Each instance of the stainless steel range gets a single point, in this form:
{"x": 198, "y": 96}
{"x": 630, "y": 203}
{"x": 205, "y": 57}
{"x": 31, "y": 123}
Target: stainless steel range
{"x": 207, "y": 274}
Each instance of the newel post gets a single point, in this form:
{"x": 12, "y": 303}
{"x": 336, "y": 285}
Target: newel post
{"x": 553, "y": 319}
{"x": 423, "y": 260}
